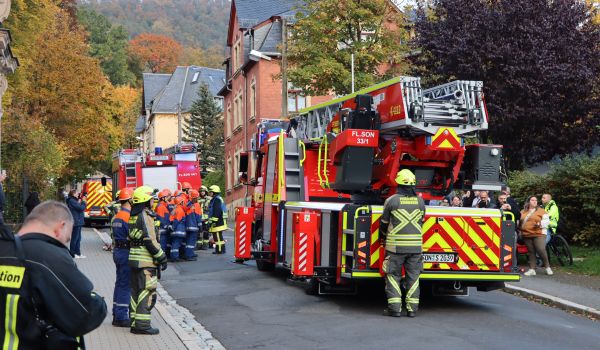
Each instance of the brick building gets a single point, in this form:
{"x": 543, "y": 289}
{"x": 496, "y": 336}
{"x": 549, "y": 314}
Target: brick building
{"x": 253, "y": 91}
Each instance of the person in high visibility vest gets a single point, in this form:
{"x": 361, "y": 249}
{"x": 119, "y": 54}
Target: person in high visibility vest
{"x": 193, "y": 221}
{"x": 163, "y": 214}
{"x": 401, "y": 230}
{"x": 217, "y": 218}
{"x": 145, "y": 259}
{"x": 119, "y": 227}
{"x": 204, "y": 201}
{"x": 177, "y": 227}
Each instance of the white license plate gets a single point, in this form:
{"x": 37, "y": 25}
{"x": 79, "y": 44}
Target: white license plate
{"x": 95, "y": 213}
{"x": 438, "y": 258}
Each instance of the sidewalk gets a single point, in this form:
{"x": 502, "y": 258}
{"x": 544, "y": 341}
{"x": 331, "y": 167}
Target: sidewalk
{"x": 100, "y": 269}
{"x": 566, "y": 290}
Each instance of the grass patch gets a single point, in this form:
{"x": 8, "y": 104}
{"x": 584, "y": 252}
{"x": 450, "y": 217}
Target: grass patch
{"x": 586, "y": 261}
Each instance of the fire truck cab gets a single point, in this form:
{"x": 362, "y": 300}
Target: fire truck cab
{"x": 160, "y": 170}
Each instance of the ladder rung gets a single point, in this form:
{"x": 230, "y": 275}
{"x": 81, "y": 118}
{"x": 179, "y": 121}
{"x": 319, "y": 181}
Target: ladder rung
{"x": 348, "y": 253}
{"x": 296, "y": 154}
{"x": 346, "y": 275}
{"x": 292, "y": 170}
{"x": 292, "y": 186}
{"x": 348, "y": 232}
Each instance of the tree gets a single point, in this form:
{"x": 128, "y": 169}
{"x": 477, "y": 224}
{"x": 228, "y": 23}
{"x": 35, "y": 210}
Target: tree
{"x": 157, "y": 53}
{"x": 327, "y": 32}
{"x": 206, "y": 129}
{"x": 109, "y": 44}
{"x": 539, "y": 63}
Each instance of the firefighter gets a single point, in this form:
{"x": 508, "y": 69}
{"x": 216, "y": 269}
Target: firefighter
{"x": 177, "y": 227}
{"x": 193, "y": 222}
{"x": 400, "y": 227}
{"x": 113, "y": 207}
{"x": 120, "y": 231}
{"x": 217, "y": 218}
{"x": 204, "y": 201}
{"x": 163, "y": 214}
{"x": 186, "y": 188}
{"x": 145, "y": 259}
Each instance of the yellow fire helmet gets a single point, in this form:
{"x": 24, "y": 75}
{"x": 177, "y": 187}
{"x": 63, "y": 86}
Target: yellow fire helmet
{"x": 215, "y": 189}
{"x": 203, "y": 188}
{"x": 406, "y": 177}
{"x": 142, "y": 194}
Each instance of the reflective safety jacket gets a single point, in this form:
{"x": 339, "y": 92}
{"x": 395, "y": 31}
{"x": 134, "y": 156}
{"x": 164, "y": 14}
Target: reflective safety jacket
{"x": 112, "y": 208}
{"x": 120, "y": 225}
{"x": 401, "y": 224}
{"x": 552, "y": 210}
{"x": 63, "y": 295}
{"x": 163, "y": 214}
{"x": 217, "y": 215}
{"x": 205, "y": 203}
{"x": 193, "y": 217}
{"x": 144, "y": 249}
{"x": 178, "y": 220}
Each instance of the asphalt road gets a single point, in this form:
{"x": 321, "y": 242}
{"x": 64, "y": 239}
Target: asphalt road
{"x": 248, "y": 309}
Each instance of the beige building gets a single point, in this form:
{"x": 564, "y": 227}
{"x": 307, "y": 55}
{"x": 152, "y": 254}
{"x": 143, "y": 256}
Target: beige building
{"x": 167, "y": 100}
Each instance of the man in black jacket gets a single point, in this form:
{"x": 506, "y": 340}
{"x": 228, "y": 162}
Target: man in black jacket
{"x": 44, "y": 283}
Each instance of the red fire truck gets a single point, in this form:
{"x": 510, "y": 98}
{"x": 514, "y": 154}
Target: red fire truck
{"x": 160, "y": 170}
{"x": 322, "y": 177}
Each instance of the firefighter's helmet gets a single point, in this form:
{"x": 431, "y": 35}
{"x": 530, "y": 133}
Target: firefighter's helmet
{"x": 203, "y": 188}
{"x": 180, "y": 200}
{"x": 142, "y": 194}
{"x": 194, "y": 194}
{"x": 164, "y": 193}
{"x": 125, "y": 194}
{"x": 215, "y": 189}
{"x": 118, "y": 194}
{"x": 177, "y": 193}
{"x": 406, "y": 177}
{"x": 186, "y": 186}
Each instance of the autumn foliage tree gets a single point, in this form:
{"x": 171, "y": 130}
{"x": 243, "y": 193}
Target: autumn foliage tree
{"x": 157, "y": 53}
{"x": 539, "y": 63}
{"x": 328, "y": 32}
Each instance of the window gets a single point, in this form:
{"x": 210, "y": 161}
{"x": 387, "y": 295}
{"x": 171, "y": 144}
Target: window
{"x": 229, "y": 120}
{"x": 229, "y": 171}
{"x": 253, "y": 99}
{"x": 296, "y": 101}
{"x": 236, "y": 55}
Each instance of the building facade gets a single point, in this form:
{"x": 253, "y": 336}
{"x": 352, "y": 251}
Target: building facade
{"x": 254, "y": 91}
{"x": 167, "y": 101}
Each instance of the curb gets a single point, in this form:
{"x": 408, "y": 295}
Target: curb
{"x": 559, "y": 302}
{"x": 191, "y": 333}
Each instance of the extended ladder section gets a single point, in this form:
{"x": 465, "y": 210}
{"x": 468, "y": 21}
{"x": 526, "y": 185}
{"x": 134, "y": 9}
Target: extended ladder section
{"x": 130, "y": 175}
{"x": 403, "y": 104}
{"x": 294, "y": 175}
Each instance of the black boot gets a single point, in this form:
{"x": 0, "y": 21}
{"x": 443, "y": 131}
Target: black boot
{"x": 148, "y": 331}
{"x": 121, "y": 323}
{"x": 411, "y": 314}
{"x": 388, "y": 312}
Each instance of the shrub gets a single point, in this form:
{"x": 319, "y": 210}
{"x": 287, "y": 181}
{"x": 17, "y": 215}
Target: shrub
{"x": 575, "y": 186}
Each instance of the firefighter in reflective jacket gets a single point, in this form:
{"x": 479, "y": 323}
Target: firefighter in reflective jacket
{"x": 400, "y": 227}
{"x": 145, "y": 257}
{"x": 204, "y": 201}
{"x": 163, "y": 214}
{"x": 178, "y": 227}
{"x": 217, "y": 218}
{"x": 120, "y": 232}
{"x": 193, "y": 221}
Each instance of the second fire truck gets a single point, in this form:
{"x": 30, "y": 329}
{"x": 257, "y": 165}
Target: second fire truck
{"x": 321, "y": 179}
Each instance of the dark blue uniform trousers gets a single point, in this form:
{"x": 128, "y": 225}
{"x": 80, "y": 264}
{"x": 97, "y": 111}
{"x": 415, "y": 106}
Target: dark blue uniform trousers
{"x": 122, "y": 292}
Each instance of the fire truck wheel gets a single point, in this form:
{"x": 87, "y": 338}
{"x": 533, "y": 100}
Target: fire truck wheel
{"x": 312, "y": 287}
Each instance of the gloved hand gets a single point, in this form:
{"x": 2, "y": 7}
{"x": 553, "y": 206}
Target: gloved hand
{"x": 170, "y": 228}
{"x": 162, "y": 261}
{"x": 163, "y": 266}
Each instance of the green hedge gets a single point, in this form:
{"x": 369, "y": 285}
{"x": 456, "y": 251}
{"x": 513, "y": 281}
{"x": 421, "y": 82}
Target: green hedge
{"x": 575, "y": 186}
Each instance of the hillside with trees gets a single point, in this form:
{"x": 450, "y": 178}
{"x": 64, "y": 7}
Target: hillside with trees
{"x": 200, "y": 26}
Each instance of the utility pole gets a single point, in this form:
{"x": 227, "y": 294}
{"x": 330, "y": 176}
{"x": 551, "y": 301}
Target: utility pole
{"x": 284, "y": 79}
{"x": 179, "y": 126}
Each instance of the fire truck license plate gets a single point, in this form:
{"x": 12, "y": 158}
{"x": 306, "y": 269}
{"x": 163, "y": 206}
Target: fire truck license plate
{"x": 438, "y": 258}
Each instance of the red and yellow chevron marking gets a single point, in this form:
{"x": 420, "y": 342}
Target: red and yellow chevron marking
{"x": 476, "y": 240}
{"x": 98, "y": 195}
{"x": 375, "y": 242}
{"x": 445, "y": 138}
